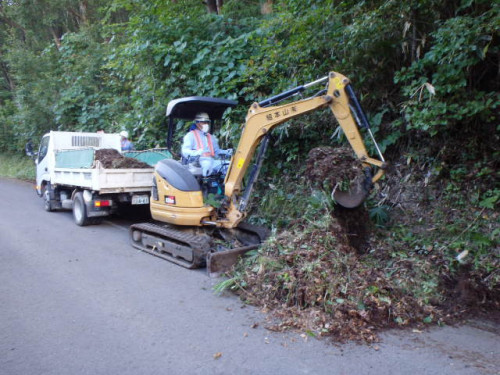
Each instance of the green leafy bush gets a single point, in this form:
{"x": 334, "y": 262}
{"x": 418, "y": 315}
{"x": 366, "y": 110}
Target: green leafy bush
{"x": 449, "y": 87}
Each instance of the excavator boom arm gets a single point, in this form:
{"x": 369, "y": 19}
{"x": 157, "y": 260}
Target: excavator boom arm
{"x": 261, "y": 120}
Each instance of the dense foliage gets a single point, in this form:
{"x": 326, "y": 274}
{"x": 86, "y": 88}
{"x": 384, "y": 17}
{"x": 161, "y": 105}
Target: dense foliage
{"x": 426, "y": 69}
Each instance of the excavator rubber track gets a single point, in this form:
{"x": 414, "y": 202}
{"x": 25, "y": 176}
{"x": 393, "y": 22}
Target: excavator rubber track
{"x": 180, "y": 247}
{"x": 195, "y": 250}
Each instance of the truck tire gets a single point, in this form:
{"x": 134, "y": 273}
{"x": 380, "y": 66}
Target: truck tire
{"x": 47, "y": 203}
{"x": 80, "y": 210}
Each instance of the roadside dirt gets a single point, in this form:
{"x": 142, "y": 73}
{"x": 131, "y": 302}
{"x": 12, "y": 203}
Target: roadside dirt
{"x": 111, "y": 158}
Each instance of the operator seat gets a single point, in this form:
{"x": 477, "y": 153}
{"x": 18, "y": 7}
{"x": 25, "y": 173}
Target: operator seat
{"x": 177, "y": 175}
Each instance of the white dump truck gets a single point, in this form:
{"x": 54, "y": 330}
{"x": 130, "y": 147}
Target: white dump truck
{"x": 69, "y": 176}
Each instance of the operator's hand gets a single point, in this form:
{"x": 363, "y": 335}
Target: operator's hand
{"x": 229, "y": 152}
{"x": 197, "y": 153}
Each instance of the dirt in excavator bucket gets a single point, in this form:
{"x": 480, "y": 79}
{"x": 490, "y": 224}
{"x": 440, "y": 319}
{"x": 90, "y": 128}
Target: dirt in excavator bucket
{"x": 328, "y": 167}
{"x": 111, "y": 158}
{"x": 337, "y": 169}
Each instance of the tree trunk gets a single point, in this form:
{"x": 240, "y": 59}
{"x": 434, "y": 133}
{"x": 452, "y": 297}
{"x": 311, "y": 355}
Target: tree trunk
{"x": 266, "y": 7}
{"x": 81, "y": 16}
{"x": 57, "y": 39}
{"x": 414, "y": 53}
{"x": 83, "y": 12}
{"x": 6, "y": 76}
{"x": 214, "y": 6}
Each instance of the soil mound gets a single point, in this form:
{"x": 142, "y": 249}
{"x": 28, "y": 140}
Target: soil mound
{"x": 111, "y": 158}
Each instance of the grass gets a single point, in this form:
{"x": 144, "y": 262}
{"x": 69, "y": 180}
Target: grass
{"x": 17, "y": 166}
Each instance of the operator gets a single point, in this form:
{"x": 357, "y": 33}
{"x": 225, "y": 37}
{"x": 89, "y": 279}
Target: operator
{"x": 199, "y": 142}
{"x": 125, "y": 143}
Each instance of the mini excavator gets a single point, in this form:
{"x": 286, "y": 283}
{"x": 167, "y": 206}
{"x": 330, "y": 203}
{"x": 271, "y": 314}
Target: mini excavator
{"x": 193, "y": 230}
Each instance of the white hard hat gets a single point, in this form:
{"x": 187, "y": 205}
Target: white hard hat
{"x": 124, "y": 133}
{"x": 202, "y": 117}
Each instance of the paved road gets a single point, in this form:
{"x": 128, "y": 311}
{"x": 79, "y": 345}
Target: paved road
{"x": 79, "y": 300}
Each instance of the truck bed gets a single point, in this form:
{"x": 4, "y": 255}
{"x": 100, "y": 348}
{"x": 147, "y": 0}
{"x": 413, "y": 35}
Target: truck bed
{"x": 77, "y": 168}
{"x": 105, "y": 180}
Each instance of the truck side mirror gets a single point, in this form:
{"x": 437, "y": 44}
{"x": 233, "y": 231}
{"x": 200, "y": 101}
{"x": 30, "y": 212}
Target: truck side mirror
{"x": 28, "y": 148}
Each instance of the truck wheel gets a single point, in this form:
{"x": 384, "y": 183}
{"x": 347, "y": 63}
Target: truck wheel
{"x": 47, "y": 203}
{"x": 80, "y": 210}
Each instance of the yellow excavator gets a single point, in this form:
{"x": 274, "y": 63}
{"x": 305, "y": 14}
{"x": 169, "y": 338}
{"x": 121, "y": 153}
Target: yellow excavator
{"x": 199, "y": 218}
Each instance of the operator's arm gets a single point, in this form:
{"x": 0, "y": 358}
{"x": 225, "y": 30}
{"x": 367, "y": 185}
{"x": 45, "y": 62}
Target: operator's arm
{"x": 189, "y": 146}
{"x": 218, "y": 151}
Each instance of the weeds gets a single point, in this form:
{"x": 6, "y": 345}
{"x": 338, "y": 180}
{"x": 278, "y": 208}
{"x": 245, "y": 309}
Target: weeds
{"x": 17, "y": 166}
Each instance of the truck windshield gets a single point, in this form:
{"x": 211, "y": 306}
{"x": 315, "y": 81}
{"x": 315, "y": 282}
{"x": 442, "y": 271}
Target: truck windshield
{"x": 44, "y": 147}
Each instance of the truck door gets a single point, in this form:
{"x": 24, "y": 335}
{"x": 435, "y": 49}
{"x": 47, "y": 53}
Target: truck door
{"x": 42, "y": 170}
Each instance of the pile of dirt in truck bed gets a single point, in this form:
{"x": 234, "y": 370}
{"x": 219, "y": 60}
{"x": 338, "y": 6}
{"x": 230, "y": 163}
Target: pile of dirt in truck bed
{"x": 112, "y": 159}
{"x": 335, "y": 275}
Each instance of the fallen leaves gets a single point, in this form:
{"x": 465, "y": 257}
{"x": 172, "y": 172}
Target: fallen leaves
{"x": 217, "y": 355}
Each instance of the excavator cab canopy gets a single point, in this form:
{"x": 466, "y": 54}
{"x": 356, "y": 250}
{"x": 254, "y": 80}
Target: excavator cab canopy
{"x": 187, "y": 108}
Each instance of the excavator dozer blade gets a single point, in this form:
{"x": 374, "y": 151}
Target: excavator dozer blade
{"x": 351, "y": 198}
{"x": 249, "y": 237}
{"x": 223, "y": 261}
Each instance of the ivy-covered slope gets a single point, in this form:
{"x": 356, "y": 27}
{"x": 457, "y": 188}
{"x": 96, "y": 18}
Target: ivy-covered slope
{"x": 423, "y": 250}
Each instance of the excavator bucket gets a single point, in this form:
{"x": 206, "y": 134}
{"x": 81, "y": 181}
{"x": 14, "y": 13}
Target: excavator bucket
{"x": 351, "y": 198}
{"x": 358, "y": 190}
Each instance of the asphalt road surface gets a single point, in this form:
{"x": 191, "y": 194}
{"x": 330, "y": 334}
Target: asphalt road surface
{"x": 80, "y": 300}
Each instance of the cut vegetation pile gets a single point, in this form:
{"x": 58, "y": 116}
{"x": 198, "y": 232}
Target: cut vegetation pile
{"x": 338, "y": 275}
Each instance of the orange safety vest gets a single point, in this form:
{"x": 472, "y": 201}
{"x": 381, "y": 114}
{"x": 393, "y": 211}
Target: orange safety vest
{"x": 199, "y": 143}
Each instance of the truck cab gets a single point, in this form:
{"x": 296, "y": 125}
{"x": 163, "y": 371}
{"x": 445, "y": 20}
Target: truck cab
{"x": 42, "y": 169}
